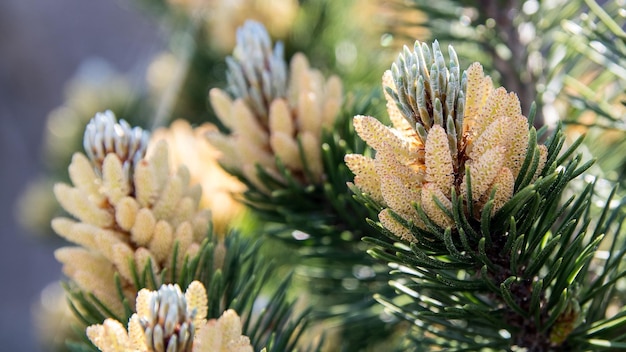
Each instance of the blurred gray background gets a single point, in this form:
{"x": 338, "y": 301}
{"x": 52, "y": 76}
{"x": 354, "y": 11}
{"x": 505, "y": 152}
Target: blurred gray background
{"x": 42, "y": 44}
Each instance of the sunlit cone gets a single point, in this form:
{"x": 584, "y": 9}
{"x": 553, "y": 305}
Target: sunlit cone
{"x": 128, "y": 210}
{"x": 189, "y": 147}
{"x": 444, "y": 123}
{"x": 168, "y": 320}
{"x": 273, "y": 110}
{"x": 165, "y": 318}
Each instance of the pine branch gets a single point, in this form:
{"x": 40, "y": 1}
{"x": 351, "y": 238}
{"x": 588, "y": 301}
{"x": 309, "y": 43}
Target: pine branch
{"x": 537, "y": 298}
{"x": 239, "y": 283}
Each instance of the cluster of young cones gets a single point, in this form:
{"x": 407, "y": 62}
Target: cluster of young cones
{"x": 129, "y": 210}
{"x": 167, "y": 320}
{"x": 454, "y": 135}
{"x": 273, "y": 111}
{"x": 448, "y": 128}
